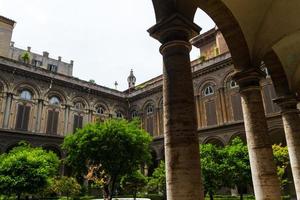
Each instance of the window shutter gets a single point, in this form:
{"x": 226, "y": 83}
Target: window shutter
{"x": 55, "y": 122}
{"x": 26, "y": 118}
{"x": 236, "y": 107}
{"x": 267, "y": 99}
{"x": 20, "y": 114}
{"x": 49, "y": 122}
{"x": 211, "y": 116}
{"x": 150, "y": 125}
{"x": 75, "y": 125}
{"x": 80, "y": 121}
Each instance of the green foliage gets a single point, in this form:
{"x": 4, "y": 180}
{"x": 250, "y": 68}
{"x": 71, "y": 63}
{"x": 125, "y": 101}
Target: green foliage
{"x": 157, "y": 182}
{"x": 212, "y": 167}
{"x": 108, "y": 150}
{"x": 133, "y": 183}
{"x": 92, "y": 81}
{"x": 64, "y": 186}
{"x": 281, "y": 157}
{"x": 238, "y": 171}
{"x": 26, "y": 57}
{"x": 26, "y": 170}
{"x": 228, "y": 166}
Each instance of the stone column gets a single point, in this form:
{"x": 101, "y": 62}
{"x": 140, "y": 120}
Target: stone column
{"x": 6, "y": 117}
{"x": 180, "y": 137}
{"x": 39, "y": 115}
{"x": 291, "y": 123}
{"x": 264, "y": 176}
{"x": 67, "y": 111}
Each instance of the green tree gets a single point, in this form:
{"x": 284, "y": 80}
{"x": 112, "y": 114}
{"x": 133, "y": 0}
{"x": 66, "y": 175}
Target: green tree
{"x": 108, "y": 151}
{"x": 237, "y": 166}
{"x": 26, "y": 57}
{"x": 281, "y": 157}
{"x": 64, "y": 186}
{"x": 133, "y": 183}
{"x": 26, "y": 170}
{"x": 212, "y": 167}
{"x": 157, "y": 182}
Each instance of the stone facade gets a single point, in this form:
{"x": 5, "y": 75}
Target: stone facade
{"x": 42, "y": 106}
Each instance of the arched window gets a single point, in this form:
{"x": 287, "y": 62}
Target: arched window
{"x": 149, "y": 109}
{"x": 26, "y": 95}
{"x": 209, "y": 90}
{"x": 119, "y": 114}
{"x": 233, "y": 84}
{"x": 134, "y": 114}
{"x": 54, "y": 100}
{"x": 100, "y": 110}
{"x": 79, "y": 106}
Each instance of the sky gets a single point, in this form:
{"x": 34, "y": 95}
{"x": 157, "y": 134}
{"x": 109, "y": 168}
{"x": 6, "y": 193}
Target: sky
{"x": 106, "y": 39}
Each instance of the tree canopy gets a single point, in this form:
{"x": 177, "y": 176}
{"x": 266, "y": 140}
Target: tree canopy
{"x": 157, "y": 182}
{"x": 108, "y": 150}
{"x": 133, "y": 183}
{"x": 26, "y": 170}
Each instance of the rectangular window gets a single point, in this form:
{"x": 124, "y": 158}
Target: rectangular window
{"x": 150, "y": 125}
{"x": 37, "y": 63}
{"x": 22, "y": 118}
{"x": 52, "y": 68}
{"x": 52, "y": 122}
{"x": 77, "y": 122}
{"x": 236, "y": 107}
{"x": 211, "y": 115}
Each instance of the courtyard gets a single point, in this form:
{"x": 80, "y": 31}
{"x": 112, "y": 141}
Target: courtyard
{"x": 220, "y": 118}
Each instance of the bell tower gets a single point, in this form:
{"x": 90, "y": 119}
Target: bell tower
{"x": 131, "y": 80}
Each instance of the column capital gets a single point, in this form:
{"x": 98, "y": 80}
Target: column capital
{"x": 248, "y": 79}
{"x": 287, "y": 103}
{"x": 175, "y": 27}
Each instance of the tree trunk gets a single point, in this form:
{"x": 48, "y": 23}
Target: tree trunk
{"x": 18, "y": 196}
{"x": 112, "y": 189}
{"x": 241, "y": 196}
{"x": 134, "y": 195}
{"x": 106, "y": 194}
{"x": 211, "y": 196}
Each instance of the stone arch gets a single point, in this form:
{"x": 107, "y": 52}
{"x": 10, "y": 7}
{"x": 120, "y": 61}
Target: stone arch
{"x": 81, "y": 99}
{"x": 34, "y": 89}
{"x": 240, "y": 135}
{"x": 207, "y": 81}
{"x": 215, "y": 141}
{"x": 101, "y": 103}
{"x": 54, "y": 148}
{"x": 227, "y": 77}
{"x": 118, "y": 108}
{"x": 147, "y": 103}
{"x": 3, "y": 84}
{"x": 277, "y": 72}
{"x": 13, "y": 145}
{"x": 132, "y": 109}
{"x": 160, "y": 103}
{"x": 56, "y": 92}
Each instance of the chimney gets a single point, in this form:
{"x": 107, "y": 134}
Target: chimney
{"x": 6, "y": 30}
{"x": 59, "y": 58}
{"x": 72, "y": 62}
{"x": 28, "y": 49}
{"x": 45, "y": 54}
